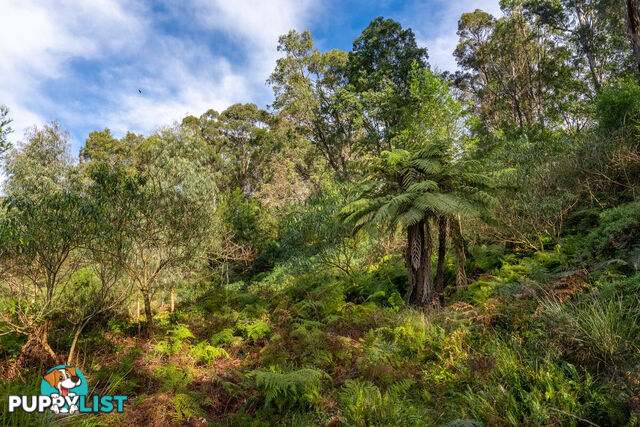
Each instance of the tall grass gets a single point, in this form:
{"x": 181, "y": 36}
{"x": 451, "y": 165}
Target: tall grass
{"x": 601, "y": 328}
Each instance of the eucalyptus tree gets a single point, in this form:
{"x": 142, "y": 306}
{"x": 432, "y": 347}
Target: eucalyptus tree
{"x": 310, "y": 93}
{"x": 44, "y": 222}
{"x": 520, "y": 78}
{"x": 158, "y": 203}
{"x": 5, "y": 128}
{"x": 242, "y": 139}
{"x": 633, "y": 25}
{"x": 594, "y": 30}
{"x": 379, "y": 72}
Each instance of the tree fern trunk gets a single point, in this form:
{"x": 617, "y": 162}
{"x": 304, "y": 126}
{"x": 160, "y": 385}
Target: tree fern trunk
{"x": 427, "y": 294}
{"x": 458, "y": 244}
{"x": 415, "y": 260}
{"x": 438, "y": 298}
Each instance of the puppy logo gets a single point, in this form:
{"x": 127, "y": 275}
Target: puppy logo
{"x": 64, "y": 382}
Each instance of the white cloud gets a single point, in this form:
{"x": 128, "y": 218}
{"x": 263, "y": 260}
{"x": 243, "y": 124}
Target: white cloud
{"x": 256, "y": 24}
{"x": 437, "y": 31}
{"x": 40, "y": 38}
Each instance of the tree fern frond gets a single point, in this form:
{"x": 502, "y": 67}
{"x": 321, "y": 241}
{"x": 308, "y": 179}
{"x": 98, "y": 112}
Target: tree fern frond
{"x": 423, "y": 187}
{"x": 411, "y": 217}
{"x": 428, "y": 166}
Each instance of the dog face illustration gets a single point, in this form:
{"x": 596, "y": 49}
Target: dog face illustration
{"x": 63, "y": 379}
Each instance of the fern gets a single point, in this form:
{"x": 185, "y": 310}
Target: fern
{"x": 186, "y": 406}
{"x": 176, "y": 340}
{"x": 257, "y": 330}
{"x": 362, "y": 403}
{"x": 225, "y": 336}
{"x": 206, "y": 353}
{"x": 296, "y": 388}
{"x": 173, "y": 377}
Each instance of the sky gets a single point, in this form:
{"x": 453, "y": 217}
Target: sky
{"x": 83, "y": 62}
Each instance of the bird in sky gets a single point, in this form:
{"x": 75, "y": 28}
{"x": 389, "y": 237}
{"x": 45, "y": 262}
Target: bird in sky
{"x": 139, "y": 91}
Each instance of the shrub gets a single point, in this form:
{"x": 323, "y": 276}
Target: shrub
{"x": 618, "y": 106}
{"x": 485, "y": 258}
{"x": 618, "y": 234}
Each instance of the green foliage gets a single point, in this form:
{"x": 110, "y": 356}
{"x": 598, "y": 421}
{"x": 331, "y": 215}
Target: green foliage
{"x": 225, "y": 337}
{"x": 596, "y": 328}
{"x": 536, "y": 391}
{"x": 179, "y": 335}
{"x": 206, "y": 353}
{"x": 279, "y": 233}
{"x": 186, "y": 406}
{"x": 617, "y": 235}
{"x": 5, "y": 129}
{"x": 618, "y": 106}
{"x": 485, "y": 258}
{"x": 118, "y": 378}
{"x": 174, "y": 378}
{"x": 21, "y": 418}
{"x": 300, "y": 388}
{"x": 362, "y": 403}
{"x": 257, "y": 330}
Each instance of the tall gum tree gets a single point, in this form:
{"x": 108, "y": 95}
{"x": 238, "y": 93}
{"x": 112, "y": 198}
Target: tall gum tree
{"x": 43, "y": 223}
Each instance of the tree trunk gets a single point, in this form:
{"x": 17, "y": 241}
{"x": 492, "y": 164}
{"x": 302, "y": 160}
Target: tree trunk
{"x": 427, "y": 295}
{"x": 415, "y": 260}
{"x": 44, "y": 341}
{"x": 76, "y": 336}
{"x": 633, "y": 22}
{"x": 147, "y": 309}
{"x": 458, "y": 244}
{"x": 173, "y": 298}
{"x": 442, "y": 251}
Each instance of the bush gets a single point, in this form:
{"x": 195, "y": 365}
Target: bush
{"x": 485, "y": 258}
{"x": 618, "y": 235}
{"x": 618, "y": 106}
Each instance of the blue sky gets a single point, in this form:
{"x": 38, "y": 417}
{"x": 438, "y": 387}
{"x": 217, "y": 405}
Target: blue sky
{"x": 82, "y": 62}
